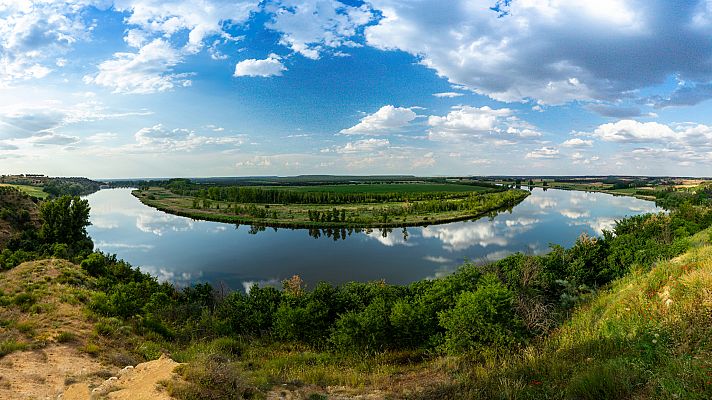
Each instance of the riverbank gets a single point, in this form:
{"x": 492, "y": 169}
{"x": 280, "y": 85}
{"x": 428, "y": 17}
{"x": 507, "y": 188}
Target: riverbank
{"x": 590, "y": 187}
{"x": 368, "y": 215}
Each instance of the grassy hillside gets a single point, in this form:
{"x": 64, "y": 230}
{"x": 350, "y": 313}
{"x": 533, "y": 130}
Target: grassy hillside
{"x": 32, "y": 191}
{"x": 17, "y": 212}
{"x": 648, "y": 336}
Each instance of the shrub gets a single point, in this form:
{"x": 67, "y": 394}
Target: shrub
{"x": 481, "y": 318}
{"x": 211, "y": 377}
{"x": 9, "y": 346}
{"x": 65, "y": 337}
{"x": 366, "y": 331}
{"x": 150, "y": 350}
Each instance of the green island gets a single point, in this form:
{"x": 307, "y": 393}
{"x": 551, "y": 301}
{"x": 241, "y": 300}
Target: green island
{"x": 626, "y": 315}
{"x": 325, "y": 204}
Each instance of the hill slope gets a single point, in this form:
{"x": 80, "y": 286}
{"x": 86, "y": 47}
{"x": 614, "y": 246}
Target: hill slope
{"x": 649, "y": 336}
{"x": 16, "y": 211}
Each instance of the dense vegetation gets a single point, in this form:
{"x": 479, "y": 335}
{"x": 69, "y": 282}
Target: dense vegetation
{"x": 341, "y": 206}
{"x": 481, "y": 312}
{"x": 42, "y": 186}
{"x": 62, "y": 232}
{"x": 341, "y": 194}
{"x": 57, "y": 187}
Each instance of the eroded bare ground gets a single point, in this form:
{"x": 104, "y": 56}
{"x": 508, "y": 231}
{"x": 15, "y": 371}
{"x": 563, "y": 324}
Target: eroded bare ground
{"x": 43, "y": 319}
{"x": 61, "y": 372}
{"x": 44, "y": 373}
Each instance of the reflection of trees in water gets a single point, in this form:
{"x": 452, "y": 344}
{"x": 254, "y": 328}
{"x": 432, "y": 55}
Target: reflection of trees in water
{"x": 332, "y": 233}
{"x": 254, "y": 229}
{"x": 343, "y": 233}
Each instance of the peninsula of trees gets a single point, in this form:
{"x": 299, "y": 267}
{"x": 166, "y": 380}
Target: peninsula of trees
{"x": 331, "y": 204}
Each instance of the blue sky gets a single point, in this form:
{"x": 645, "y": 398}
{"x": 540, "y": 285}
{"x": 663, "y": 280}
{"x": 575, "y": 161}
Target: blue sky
{"x": 149, "y": 88}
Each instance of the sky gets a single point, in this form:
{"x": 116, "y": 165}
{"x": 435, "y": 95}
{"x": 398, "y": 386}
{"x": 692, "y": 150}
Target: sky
{"x": 177, "y": 88}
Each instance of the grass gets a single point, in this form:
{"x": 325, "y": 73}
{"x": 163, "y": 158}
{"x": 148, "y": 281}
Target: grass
{"x": 33, "y": 191}
{"x": 647, "y": 336}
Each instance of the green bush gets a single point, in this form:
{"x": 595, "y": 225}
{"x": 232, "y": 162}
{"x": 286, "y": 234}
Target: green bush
{"x": 367, "y": 331}
{"x": 481, "y": 318}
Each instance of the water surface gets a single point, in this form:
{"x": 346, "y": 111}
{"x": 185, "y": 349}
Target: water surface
{"x": 185, "y": 251}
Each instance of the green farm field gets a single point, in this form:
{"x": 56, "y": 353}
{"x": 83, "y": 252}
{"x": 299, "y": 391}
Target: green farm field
{"x": 33, "y": 191}
{"x": 385, "y": 188}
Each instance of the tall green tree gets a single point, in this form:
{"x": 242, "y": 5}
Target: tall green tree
{"x": 65, "y": 220}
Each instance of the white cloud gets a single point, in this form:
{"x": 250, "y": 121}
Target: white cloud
{"x": 386, "y": 119}
{"x": 552, "y": 51}
{"x": 159, "y": 138}
{"x": 364, "y": 145}
{"x": 256, "y": 161}
{"x": 631, "y": 131}
{"x": 448, "y": 94}
{"x": 484, "y": 123}
{"x": 271, "y": 66}
{"x": 165, "y": 18}
{"x": 33, "y": 34}
{"x": 577, "y": 142}
{"x": 544, "y": 153}
{"x": 310, "y": 26}
{"x": 54, "y": 139}
{"x": 147, "y": 71}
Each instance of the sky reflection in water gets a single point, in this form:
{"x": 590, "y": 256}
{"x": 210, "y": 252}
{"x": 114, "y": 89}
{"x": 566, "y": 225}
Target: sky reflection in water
{"x": 183, "y": 251}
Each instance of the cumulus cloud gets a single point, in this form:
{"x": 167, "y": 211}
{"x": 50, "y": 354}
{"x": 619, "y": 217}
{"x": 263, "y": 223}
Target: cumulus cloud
{"x": 199, "y": 20}
{"x": 550, "y": 51}
{"x": 544, "y": 153}
{"x": 577, "y": 142}
{"x": 364, "y": 145}
{"x": 309, "y": 27}
{"x": 271, "y": 66}
{"x": 147, "y": 71}
{"x": 630, "y": 131}
{"x": 153, "y": 26}
{"x": 386, "y": 119}
{"x": 473, "y": 123}
{"x": 160, "y": 138}
{"x": 256, "y": 161}
{"x": 33, "y": 34}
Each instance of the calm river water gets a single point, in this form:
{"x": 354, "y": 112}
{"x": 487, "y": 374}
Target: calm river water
{"x": 185, "y": 251}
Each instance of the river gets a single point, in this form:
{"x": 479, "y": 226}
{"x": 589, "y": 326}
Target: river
{"x": 185, "y": 251}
